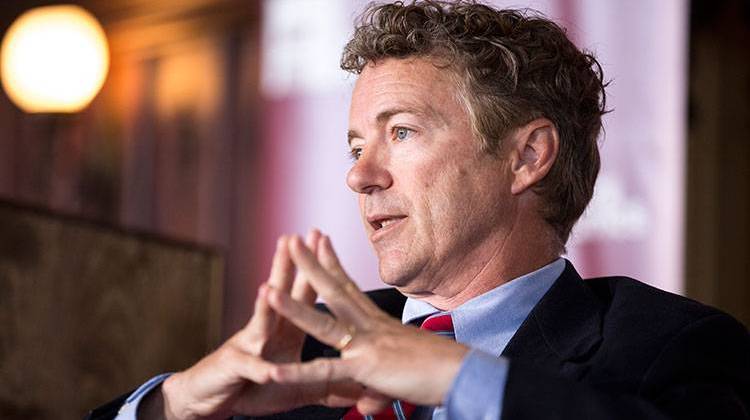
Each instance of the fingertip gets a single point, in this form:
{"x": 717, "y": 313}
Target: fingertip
{"x": 370, "y": 408}
{"x": 313, "y": 233}
{"x": 262, "y": 372}
{"x": 260, "y": 378}
{"x": 326, "y": 253}
{"x": 277, "y": 373}
{"x": 328, "y": 244}
{"x": 319, "y": 246}
{"x": 364, "y": 410}
{"x": 272, "y": 296}
{"x": 310, "y": 237}
{"x": 297, "y": 246}
{"x": 279, "y": 301}
{"x": 312, "y": 240}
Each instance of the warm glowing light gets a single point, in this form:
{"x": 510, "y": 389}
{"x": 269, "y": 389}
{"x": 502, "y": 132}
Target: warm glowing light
{"x": 54, "y": 59}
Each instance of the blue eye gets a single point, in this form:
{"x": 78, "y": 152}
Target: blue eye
{"x": 402, "y": 133}
{"x": 355, "y": 153}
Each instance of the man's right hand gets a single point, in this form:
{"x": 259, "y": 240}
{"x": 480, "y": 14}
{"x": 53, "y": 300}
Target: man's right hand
{"x": 234, "y": 379}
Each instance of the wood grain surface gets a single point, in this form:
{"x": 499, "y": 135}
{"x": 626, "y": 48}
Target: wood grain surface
{"x": 88, "y": 312}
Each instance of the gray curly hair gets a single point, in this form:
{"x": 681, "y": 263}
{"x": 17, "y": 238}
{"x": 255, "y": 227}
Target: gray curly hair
{"x": 511, "y": 67}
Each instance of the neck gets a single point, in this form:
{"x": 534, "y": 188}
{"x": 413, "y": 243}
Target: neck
{"x": 497, "y": 261}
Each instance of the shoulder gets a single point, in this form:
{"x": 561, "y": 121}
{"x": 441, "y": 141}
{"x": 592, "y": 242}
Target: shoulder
{"x": 666, "y": 326}
{"x": 668, "y": 338}
{"x": 627, "y": 299}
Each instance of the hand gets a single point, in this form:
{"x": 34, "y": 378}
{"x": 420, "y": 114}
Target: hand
{"x": 377, "y": 351}
{"x": 234, "y": 379}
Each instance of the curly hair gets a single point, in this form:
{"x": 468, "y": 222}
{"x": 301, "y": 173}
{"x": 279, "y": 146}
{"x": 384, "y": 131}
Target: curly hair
{"x": 511, "y": 67}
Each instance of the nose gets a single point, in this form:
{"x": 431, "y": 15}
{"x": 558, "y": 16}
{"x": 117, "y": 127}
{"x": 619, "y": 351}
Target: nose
{"x": 369, "y": 174}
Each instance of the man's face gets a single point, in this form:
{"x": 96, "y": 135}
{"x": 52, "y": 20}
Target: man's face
{"x": 434, "y": 206}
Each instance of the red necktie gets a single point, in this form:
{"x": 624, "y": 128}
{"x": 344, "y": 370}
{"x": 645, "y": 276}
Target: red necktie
{"x": 441, "y": 324}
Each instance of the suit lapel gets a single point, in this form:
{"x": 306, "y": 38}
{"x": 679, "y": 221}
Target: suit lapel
{"x": 563, "y": 328}
{"x": 560, "y": 332}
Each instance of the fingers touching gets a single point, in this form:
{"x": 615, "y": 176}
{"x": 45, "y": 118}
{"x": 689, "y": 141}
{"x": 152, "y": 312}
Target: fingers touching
{"x": 282, "y": 270}
{"x": 282, "y": 278}
{"x": 301, "y": 290}
{"x": 328, "y": 278}
{"x": 372, "y": 403}
{"x": 316, "y": 323}
{"x": 328, "y": 258}
{"x": 330, "y": 371}
{"x": 324, "y": 370}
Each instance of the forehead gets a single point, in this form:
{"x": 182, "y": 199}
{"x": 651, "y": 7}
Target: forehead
{"x": 415, "y": 85}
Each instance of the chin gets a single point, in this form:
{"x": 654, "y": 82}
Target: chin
{"x": 390, "y": 273}
{"x": 399, "y": 276}
{"x": 391, "y": 279}
{"x": 399, "y": 268}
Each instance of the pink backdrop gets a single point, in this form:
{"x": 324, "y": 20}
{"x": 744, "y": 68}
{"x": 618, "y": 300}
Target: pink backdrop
{"x": 634, "y": 225}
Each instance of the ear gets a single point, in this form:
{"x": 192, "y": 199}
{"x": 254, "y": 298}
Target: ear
{"x": 534, "y": 148}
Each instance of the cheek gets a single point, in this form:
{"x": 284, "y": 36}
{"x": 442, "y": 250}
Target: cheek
{"x": 465, "y": 195}
{"x": 454, "y": 179}
{"x": 449, "y": 195}
{"x": 362, "y": 212}
{"x": 442, "y": 185}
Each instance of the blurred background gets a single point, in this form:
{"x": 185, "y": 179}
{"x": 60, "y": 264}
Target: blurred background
{"x": 134, "y": 231}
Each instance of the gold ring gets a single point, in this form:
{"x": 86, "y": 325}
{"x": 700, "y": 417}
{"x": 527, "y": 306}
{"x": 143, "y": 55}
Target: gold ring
{"x": 345, "y": 340}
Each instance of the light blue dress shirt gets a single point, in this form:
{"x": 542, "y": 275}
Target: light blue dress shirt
{"x": 485, "y": 323}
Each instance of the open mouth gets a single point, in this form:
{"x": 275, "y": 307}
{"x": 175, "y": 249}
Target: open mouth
{"x": 381, "y": 222}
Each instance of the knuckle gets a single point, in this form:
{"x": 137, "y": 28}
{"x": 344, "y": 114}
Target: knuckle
{"x": 226, "y": 355}
{"x": 328, "y": 327}
{"x": 256, "y": 336}
{"x": 326, "y": 369}
{"x": 337, "y": 291}
{"x": 383, "y": 342}
{"x": 256, "y": 348}
{"x": 251, "y": 342}
{"x": 251, "y": 330}
{"x": 350, "y": 287}
{"x": 344, "y": 288}
{"x": 258, "y": 379}
{"x": 337, "y": 287}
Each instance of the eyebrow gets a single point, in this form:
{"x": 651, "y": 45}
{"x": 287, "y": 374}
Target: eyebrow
{"x": 385, "y": 115}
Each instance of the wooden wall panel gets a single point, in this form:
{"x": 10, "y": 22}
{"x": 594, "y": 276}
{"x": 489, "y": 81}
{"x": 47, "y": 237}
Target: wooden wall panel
{"x": 718, "y": 218}
{"x": 87, "y": 312}
{"x": 171, "y": 144}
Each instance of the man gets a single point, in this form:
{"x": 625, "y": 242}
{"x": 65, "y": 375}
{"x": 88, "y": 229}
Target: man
{"x": 473, "y": 133}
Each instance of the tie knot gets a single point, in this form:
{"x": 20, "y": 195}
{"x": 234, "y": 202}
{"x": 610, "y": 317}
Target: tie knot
{"x": 440, "y": 323}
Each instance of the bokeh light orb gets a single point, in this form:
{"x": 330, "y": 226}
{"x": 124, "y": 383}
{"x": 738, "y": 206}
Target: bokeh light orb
{"x": 54, "y": 59}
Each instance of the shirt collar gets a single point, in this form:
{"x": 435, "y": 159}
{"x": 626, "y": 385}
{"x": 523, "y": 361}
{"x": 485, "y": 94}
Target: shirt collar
{"x": 488, "y": 322}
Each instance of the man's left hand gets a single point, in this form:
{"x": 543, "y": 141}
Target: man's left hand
{"x": 401, "y": 362}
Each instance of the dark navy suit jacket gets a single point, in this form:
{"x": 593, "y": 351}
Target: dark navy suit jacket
{"x": 604, "y": 348}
